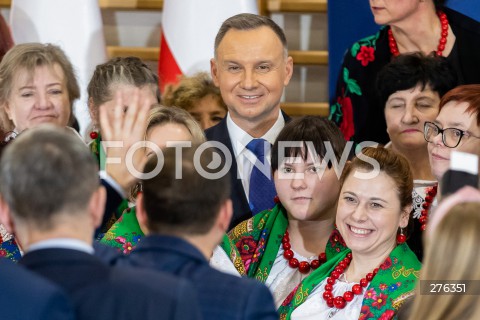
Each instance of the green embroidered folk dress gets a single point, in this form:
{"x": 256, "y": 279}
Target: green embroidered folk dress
{"x": 394, "y": 282}
{"x": 255, "y": 248}
{"x": 123, "y": 231}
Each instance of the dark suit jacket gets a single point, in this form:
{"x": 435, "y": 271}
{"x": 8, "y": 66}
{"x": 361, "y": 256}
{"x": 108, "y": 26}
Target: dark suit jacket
{"x": 26, "y": 296}
{"x": 221, "y": 296}
{"x": 106, "y": 253}
{"x": 241, "y": 209}
{"x": 99, "y": 291}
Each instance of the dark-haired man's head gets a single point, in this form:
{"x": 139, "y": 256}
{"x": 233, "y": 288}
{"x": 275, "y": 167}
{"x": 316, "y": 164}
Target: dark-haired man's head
{"x": 251, "y": 67}
{"x": 186, "y": 198}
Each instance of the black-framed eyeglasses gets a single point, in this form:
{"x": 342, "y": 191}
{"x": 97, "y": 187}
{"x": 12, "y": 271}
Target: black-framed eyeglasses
{"x": 451, "y": 137}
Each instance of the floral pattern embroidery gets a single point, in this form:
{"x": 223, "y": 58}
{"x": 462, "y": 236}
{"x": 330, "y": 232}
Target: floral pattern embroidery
{"x": 366, "y": 55}
{"x": 246, "y": 246}
{"x": 8, "y": 246}
{"x": 365, "y": 313}
{"x": 417, "y": 204}
{"x": 337, "y": 239}
{"x": 127, "y": 248}
{"x": 346, "y": 126}
{"x": 258, "y": 239}
{"x": 342, "y": 108}
{"x": 290, "y": 296}
{"x": 370, "y": 294}
{"x": 379, "y": 300}
{"x": 125, "y": 233}
{"x": 387, "y": 264}
{"x": 385, "y": 294}
{"x": 387, "y": 315}
{"x": 393, "y": 287}
{"x": 342, "y": 111}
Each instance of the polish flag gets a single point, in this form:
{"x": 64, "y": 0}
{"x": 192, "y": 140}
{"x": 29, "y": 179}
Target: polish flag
{"x": 74, "y": 25}
{"x": 188, "y": 34}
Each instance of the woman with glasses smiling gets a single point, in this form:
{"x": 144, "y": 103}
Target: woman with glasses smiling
{"x": 456, "y": 128}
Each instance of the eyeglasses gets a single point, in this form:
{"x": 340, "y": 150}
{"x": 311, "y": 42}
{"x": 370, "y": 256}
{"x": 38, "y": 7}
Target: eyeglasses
{"x": 451, "y": 137}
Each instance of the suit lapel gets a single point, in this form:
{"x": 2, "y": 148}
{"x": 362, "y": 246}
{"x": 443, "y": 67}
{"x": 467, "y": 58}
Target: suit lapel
{"x": 241, "y": 208}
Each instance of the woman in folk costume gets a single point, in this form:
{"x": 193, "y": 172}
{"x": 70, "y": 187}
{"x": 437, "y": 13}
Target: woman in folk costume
{"x": 372, "y": 279}
{"x": 282, "y": 246}
{"x": 126, "y": 75}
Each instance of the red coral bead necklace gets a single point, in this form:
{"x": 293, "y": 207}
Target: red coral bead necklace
{"x": 441, "y": 44}
{"x": 430, "y": 195}
{"x": 340, "y": 302}
{"x": 304, "y": 267}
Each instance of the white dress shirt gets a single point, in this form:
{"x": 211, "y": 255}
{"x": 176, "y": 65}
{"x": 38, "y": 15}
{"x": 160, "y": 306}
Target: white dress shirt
{"x": 245, "y": 158}
{"x": 62, "y": 243}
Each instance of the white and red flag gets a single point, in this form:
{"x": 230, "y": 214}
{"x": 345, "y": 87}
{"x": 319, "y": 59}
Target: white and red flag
{"x": 188, "y": 34}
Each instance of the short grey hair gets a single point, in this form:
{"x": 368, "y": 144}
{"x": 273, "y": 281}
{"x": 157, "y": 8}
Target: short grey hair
{"x": 46, "y": 171}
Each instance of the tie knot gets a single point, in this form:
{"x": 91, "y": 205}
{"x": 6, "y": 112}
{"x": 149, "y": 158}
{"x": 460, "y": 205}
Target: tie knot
{"x": 258, "y": 147}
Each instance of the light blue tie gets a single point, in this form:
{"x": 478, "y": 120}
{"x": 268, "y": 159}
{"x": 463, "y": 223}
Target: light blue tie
{"x": 262, "y": 189}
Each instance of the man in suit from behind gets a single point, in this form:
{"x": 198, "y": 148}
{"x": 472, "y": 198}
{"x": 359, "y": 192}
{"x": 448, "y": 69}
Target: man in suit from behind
{"x": 25, "y": 296}
{"x": 251, "y": 67}
{"x": 185, "y": 217}
{"x": 51, "y": 198}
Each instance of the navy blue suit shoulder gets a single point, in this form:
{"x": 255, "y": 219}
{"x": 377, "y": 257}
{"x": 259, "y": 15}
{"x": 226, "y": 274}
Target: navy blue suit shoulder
{"x": 221, "y": 296}
{"x": 26, "y": 296}
{"x": 106, "y": 253}
{"x": 99, "y": 291}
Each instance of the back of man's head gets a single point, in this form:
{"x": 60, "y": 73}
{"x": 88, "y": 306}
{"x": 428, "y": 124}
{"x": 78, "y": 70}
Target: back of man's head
{"x": 45, "y": 172}
{"x": 188, "y": 204}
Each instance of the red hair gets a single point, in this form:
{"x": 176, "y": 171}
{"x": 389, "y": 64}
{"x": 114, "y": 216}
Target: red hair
{"x": 469, "y": 93}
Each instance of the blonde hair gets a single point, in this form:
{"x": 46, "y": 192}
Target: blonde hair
{"x": 190, "y": 90}
{"x": 452, "y": 254}
{"x": 160, "y": 115}
{"x": 29, "y": 56}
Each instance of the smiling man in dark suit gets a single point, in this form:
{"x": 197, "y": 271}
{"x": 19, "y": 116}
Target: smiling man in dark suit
{"x": 251, "y": 67}
{"x": 184, "y": 218}
{"x": 52, "y": 199}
